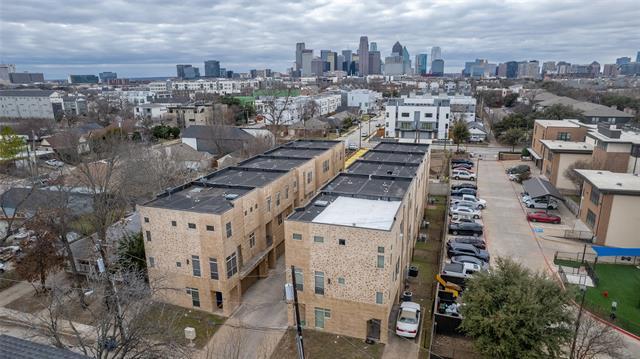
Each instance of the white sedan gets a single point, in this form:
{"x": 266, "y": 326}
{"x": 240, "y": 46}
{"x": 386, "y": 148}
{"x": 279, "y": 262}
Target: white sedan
{"x": 465, "y": 211}
{"x": 408, "y": 320}
{"x": 54, "y": 163}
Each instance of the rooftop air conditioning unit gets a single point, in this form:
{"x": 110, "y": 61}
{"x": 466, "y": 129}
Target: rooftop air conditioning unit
{"x": 231, "y": 196}
{"x": 321, "y": 203}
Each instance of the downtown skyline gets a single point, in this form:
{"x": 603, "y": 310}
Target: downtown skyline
{"x": 58, "y": 43}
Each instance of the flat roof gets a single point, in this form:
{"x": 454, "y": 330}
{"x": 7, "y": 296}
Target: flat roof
{"x": 387, "y": 156}
{"x": 347, "y": 211}
{"x": 612, "y": 182}
{"x": 318, "y": 144}
{"x": 200, "y": 197}
{"x": 368, "y": 186}
{"x": 272, "y": 162}
{"x": 383, "y": 168}
{"x": 252, "y": 177}
{"x": 568, "y": 146}
{"x": 625, "y": 137}
{"x": 557, "y": 123}
{"x": 295, "y": 152}
{"x": 403, "y": 147}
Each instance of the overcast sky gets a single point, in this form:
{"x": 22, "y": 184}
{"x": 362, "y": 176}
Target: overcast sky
{"x": 148, "y": 37}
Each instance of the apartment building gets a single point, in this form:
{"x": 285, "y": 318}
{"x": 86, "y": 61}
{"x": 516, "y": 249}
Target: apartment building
{"x": 615, "y": 150}
{"x": 218, "y": 86}
{"x": 288, "y": 111}
{"x": 552, "y": 130}
{"x": 211, "y": 239}
{"x": 558, "y": 156}
{"x": 351, "y": 246}
{"x": 29, "y": 104}
{"x": 609, "y": 206}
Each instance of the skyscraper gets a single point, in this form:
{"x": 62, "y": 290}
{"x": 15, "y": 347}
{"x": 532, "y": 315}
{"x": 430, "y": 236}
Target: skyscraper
{"x": 373, "y": 46}
{"x": 638, "y": 57}
{"x": 437, "y": 67}
{"x": 421, "y": 64}
{"x": 363, "y": 55}
{"x": 299, "y": 49}
{"x": 107, "y": 76}
{"x": 346, "y": 62}
{"x": 406, "y": 60}
{"x": 332, "y": 59}
{"x": 396, "y": 49}
{"x": 375, "y": 63}
{"x": 307, "y": 57}
{"x": 324, "y": 54}
{"x": 212, "y": 68}
{"x": 623, "y": 60}
{"x": 436, "y": 54}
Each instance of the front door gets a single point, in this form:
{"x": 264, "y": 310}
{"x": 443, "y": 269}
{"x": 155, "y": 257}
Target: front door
{"x": 219, "y": 299}
{"x": 373, "y": 329}
{"x": 319, "y": 314}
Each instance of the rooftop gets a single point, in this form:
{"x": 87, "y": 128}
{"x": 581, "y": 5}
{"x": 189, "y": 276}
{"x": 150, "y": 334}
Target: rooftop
{"x": 26, "y": 93}
{"x": 557, "y": 123}
{"x": 252, "y": 177}
{"x": 347, "y": 211}
{"x": 368, "y": 186}
{"x": 403, "y": 147}
{"x": 385, "y": 156}
{"x": 315, "y": 144}
{"x": 294, "y": 152}
{"x": 568, "y": 146}
{"x": 399, "y": 169}
{"x": 625, "y": 137}
{"x": 272, "y": 163}
{"x": 199, "y": 197}
{"x": 610, "y": 182}
{"x": 12, "y": 347}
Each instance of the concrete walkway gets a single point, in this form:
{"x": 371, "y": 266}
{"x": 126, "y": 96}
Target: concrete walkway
{"x": 256, "y": 327}
{"x": 398, "y": 347}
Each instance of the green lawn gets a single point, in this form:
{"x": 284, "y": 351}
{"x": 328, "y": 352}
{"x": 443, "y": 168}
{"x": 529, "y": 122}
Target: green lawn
{"x": 322, "y": 345}
{"x": 622, "y": 282}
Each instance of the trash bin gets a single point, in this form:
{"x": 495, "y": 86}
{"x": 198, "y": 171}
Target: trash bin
{"x": 413, "y": 271}
{"x": 407, "y": 296}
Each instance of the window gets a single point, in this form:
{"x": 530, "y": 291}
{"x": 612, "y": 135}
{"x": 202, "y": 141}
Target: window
{"x": 269, "y": 204}
{"x": 232, "y": 265}
{"x": 213, "y": 268}
{"x": 319, "y": 283}
{"x": 299, "y": 278}
{"x": 426, "y": 126}
{"x": 405, "y": 114}
{"x": 179, "y": 264}
{"x": 381, "y": 250}
{"x": 146, "y": 219}
{"x": 320, "y": 315}
{"x": 195, "y": 265}
{"x": 195, "y": 296}
{"x": 325, "y": 166}
{"x": 297, "y": 237}
{"x": 192, "y": 226}
{"x": 380, "y": 263}
{"x": 252, "y": 240}
{"x": 378, "y": 297}
{"x": 229, "y": 229}
{"x": 280, "y": 218}
{"x": 595, "y": 195}
{"x": 295, "y": 184}
{"x": 148, "y": 235}
{"x": 309, "y": 177}
{"x": 564, "y": 136}
{"x": 318, "y": 239}
{"x": 342, "y": 242}
{"x": 428, "y": 115}
{"x": 591, "y": 218}
{"x": 341, "y": 280}
{"x": 277, "y": 199}
{"x": 210, "y": 228}
{"x": 152, "y": 262}
{"x": 286, "y": 192}
{"x": 173, "y": 223}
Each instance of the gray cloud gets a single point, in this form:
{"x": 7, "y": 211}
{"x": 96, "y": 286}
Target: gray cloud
{"x": 148, "y": 37}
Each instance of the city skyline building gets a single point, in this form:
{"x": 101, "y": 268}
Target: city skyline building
{"x": 299, "y": 48}
{"x": 436, "y": 54}
{"x": 437, "y": 67}
{"x": 421, "y": 64}
{"x": 373, "y": 46}
{"x": 363, "y": 56}
{"x": 307, "y": 58}
{"x": 212, "y": 68}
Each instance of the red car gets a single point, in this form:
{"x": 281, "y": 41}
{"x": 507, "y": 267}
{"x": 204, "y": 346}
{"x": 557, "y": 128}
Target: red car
{"x": 542, "y": 216}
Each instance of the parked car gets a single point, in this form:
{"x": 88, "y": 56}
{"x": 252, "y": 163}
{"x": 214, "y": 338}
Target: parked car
{"x": 461, "y": 270}
{"x": 462, "y": 166}
{"x": 470, "y": 201}
{"x": 519, "y": 177}
{"x": 542, "y": 203}
{"x": 463, "y": 249}
{"x": 353, "y": 147}
{"x": 463, "y": 175}
{"x": 461, "y": 160}
{"x": 458, "y": 186}
{"x": 408, "y": 320}
{"x": 54, "y": 163}
{"x": 462, "y": 210}
{"x": 470, "y": 259}
{"x": 466, "y": 229}
{"x": 518, "y": 169}
{"x": 542, "y": 216}
{"x": 461, "y": 191}
{"x": 474, "y": 241}
{"x": 462, "y": 219}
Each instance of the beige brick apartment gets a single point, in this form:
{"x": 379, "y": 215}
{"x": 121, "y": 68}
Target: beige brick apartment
{"x": 558, "y": 156}
{"x": 351, "y": 246}
{"x": 209, "y": 240}
{"x": 564, "y": 130}
{"x": 610, "y": 206}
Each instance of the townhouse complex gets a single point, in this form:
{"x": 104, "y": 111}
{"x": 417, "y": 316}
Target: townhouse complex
{"x": 211, "y": 239}
{"x": 351, "y": 246}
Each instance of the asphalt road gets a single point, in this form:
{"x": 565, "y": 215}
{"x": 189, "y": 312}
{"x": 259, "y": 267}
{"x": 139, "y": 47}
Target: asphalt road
{"x": 365, "y": 128}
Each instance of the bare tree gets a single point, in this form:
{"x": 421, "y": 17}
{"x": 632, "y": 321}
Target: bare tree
{"x": 277, "y": 101}
{"x": 308, "y": 111}
{"x": 573, "y": 176}
{"x": 597, "y": 340}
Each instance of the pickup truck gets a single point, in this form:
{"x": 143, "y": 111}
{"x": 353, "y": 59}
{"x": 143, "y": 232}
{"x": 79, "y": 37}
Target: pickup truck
{"x": 470, "y": 201}
{"x": 460, "y": 270}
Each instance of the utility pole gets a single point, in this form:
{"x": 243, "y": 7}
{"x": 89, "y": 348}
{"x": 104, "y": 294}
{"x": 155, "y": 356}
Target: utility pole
{"x": 583, "y": 288}
{"x": 360, "y": 133}
{"x": 299, "y": 343}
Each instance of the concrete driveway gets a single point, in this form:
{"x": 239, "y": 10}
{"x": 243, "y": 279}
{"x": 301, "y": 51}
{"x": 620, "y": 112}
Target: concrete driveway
{"x": 399, "y": 347}
{"x": 256, "y": 327}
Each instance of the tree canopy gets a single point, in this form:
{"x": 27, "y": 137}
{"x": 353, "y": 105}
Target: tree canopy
{"x": 514, "y": 313}
{"x": 513, "y": 137}
{"x": 10, "y": 143}
{"x": 460, "y": 132}
{"x": 560, "y": 112}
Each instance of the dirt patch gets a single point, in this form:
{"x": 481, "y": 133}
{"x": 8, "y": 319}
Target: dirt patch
{"x": 321, "y": 345}
{"x": 30, "y": 303}
{"x": 454, "y": 347}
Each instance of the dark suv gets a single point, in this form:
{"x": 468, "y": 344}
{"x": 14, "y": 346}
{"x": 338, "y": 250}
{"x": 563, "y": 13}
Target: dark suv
{"x": 459, "y": 161}
{"x": 518, "y": 169}
{"x": 463, "y": 185}
{"x": 474, "y": 241}
{"x": 466, "y": 229}
{"x": 463, "y": 249}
